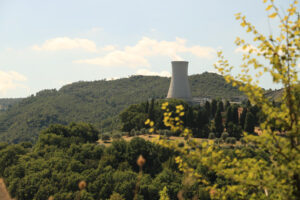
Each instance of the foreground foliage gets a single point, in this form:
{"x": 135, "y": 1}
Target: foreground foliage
{"x": 67, "y": 163}
{"x": 66, "y": 155}
{"x": 272, "y": 170}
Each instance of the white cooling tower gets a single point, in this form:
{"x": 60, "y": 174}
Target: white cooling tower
{"x": 179, "y": 86}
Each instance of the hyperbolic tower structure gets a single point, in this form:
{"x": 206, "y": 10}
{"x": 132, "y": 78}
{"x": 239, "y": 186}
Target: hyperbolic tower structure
{"x": 179, "y": 86}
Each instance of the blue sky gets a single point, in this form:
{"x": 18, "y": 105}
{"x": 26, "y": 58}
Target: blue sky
{"x": 46, "y": 44}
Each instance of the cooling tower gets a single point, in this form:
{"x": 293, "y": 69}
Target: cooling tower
{"x": 179, "y": 86}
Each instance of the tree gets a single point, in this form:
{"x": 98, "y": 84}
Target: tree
{"x": 234, "y": 130}
{"x": 248, "y": 104}
{"x": 9, "y": 155}
{"x": 282, "y": 53}
{"x": 243, "y": 117}
{"x": 227, "y": 104}
{"x": 249, "y": 123}
{"x": 105, "y": 137}
{"x": 228, "y": 116}
{"x": 202, "y": 118}
{"x": 189, "y": 117}
{"x": 213, "y": 107}
{"x": 235, "y": 114}
{"x": 269, "y": 168}
{"x": 211, "y": 135}
{"x": 84, "y": 195}
{"x": 230, "y": 140}
{"x": 224, "y": 135}
{"x": 147, "y": 106}
{"x": 207, "y": 108}
{"x": 164, "y": 194}
{"x": 218, "y": 123}
{"x": 220, "y": 106}
{"x": 151, "y": 109}
{"x": 116, "y": 196}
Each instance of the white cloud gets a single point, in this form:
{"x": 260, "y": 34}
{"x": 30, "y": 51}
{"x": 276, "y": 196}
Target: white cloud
{"x": 146, "y": 72}
{"x": 137, "y": 55}
{"x": 109, "y": 48}
{"x": 10, "y": 81}
{"x": 117, "y": 58}
{"x": 66, "y": 43}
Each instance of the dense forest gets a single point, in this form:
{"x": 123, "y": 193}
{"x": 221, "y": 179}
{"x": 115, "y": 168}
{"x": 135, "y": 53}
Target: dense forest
{"x": 97, "y": 102}
{"x": 67, "y": 163}
{"x": 206, "y": 121}
{"x": 6, "y": 103}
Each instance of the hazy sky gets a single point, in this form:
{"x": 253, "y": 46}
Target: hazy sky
{"x": 49, "y": 43}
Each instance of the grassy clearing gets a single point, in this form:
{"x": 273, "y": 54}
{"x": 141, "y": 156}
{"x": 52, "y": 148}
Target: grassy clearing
{"x": 150, "y": 138}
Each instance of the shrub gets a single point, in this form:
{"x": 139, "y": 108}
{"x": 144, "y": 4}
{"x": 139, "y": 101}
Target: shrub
{"x": 116, "y": 196}
{"x": 162, "y": 132}
{"x": 138, "y": 133}
{"x": 211, "y": 135}
{"x": 176, "y": 133}
{"x": 143, "y": 131}
{"x": 105, "y": 137}
{"x": 168, "y": 133}
{"x": 218, "y": 141}
{"x": 230, "y": 140}
{"x": 181, "y": 144}
{"x": 243, "y": 141}
{"x": 132, "y": 132}
{"x": 117, "y": 136}
{"x": 224, "y": 135}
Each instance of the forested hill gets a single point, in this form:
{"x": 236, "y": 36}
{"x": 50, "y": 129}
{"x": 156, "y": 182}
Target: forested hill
{"x": 5, "y": 103}
{"x": 97, "y": 102}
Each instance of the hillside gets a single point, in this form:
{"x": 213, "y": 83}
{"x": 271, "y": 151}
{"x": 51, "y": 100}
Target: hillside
{"x": 5, "y": 103}
{"x": 97, "y": 102}
{"x": 274, "y": 94}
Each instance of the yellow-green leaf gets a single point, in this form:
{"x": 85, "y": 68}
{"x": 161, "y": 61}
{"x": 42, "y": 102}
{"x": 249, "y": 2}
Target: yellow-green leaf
{"x": 273, "y": 15}
{"x": 269, "y": 7}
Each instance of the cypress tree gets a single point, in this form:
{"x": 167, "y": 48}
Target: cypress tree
{"x": 227, "y": 105}
{"x": 255, "y": 110}
{"x": 249, "y": 123}
{"x": 234, "y": 130}
{"x": 221, "y": 106}
{"x": 147, "y": 107}
{"x": 205, "y": 116}
{"x": 201, "y": 118}
{"x": 218, "y": 123}
{"x": 151, "y": 110}
{"x": 207, "y": 108}
{"x": 228, "y": 116}
{"x": 189, "y": 117}
{"x": 248, "y": 104}
{"x": 243, "y": 117}
{"x": 213, "y": 107}
{"x": 235, "y": 114}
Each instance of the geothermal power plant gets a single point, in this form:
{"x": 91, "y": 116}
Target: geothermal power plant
{"x": 179, "y": 86}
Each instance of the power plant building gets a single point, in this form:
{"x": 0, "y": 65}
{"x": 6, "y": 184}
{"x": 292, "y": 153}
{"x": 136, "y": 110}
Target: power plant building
{"x": 179, "y": 86}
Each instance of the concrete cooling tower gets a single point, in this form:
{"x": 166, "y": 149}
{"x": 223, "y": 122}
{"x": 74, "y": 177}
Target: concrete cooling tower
{"x": 179, "y": 86}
